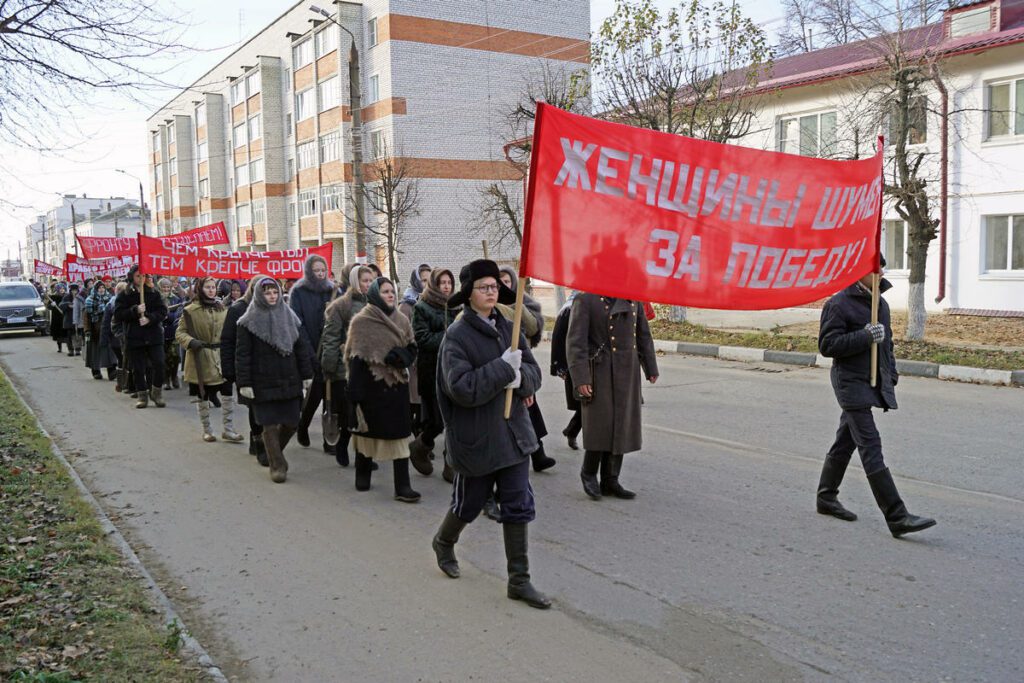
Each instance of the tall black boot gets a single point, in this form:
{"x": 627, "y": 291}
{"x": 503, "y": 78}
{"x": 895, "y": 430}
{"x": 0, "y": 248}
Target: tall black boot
{"x": 275, "y": 453}
{"x": 828, "y": 491}
{"x": 444, "y": 544}
{"x": 403, "y": 490}
{"x": 519, "y": 586}
{"x": 541, "y": 460}
{"x": 261, "y": 450}
{"x": 611, "y": 466}
{"x": 419, "y": 454}
{"x": 888, "y": 498}
{"x": 588, "y": 474}
{"x": 363, "y": 472}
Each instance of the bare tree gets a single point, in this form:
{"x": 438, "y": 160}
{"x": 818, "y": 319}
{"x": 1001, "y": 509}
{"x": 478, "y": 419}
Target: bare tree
{"x": 391, "y": 196}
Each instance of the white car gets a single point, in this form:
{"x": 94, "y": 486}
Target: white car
{"x": 21, "y": 309}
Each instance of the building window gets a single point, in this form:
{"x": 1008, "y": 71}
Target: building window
{"x": 302, "y": 54}
{"x": 173, "y": 165}
{"x": 326, "y": 41}
{"x": 307, "y": 203}
{"x": 813, "y": 135}
{"x": 237, "y": 92}
{"x": 200, "y": 116}
{"x": 1005, "y": 108}
{"x": 377, "y": 144}
{"x": 330, "y": 147}
{"x": 259, "y": 212}
{"x": 159, "y": 205}
{"x": 917, "y": 123}
{"x": 330, "y": 198}
{"x": 287, "y": 80}
{"x": 371, "y": 31}
{"x": 253, "y": 83}
{"x": 238, "y": 134}
{"x": 970, "y": 21}
{"x": 204, "y": 189}
{"x": 255, "y": 128}
{"x": 894, "y": 244}
{"x": 306, "y": 154}
{"x": 329, "y": 93}
{"x": 203, "y": 151}
{"x": 1004, "y": 243}
{"x": 241, "y": 175}
{"x": 244, "y": 215}
{"x": 256, "y": 171}
{"x": 291, "y": 213}
{"x": 374, "y": 94}
{"x": 288, "y": 127}
{"x": 158, "y": 175}
{"x": 304, "y": 104}
{"x": 289, "y": 169}
{"x": 170, "y": 134}
{"x": 156, "y": 141}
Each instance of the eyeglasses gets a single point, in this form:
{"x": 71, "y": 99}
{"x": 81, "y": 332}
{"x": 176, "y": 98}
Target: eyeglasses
{"x": 487, "y": 289}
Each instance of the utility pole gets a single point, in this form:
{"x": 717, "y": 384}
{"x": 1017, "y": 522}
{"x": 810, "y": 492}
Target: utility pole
{"x": 142, "y": 199}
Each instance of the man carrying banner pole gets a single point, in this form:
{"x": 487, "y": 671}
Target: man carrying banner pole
{"x": 851, "y": 338}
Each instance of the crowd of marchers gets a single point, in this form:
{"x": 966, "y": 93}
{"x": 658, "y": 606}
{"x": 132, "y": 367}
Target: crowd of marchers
{"x": 393, "y": 371}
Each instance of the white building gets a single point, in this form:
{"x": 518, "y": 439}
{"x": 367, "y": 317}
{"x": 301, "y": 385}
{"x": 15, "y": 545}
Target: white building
{"x": 979, "y": 48}
{"x": 51, "y": 235}
{"x": 263, "y": 141}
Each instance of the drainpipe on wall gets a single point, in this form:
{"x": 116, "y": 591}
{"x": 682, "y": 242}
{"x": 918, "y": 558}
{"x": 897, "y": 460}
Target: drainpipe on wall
{"x": 943, "y": 182}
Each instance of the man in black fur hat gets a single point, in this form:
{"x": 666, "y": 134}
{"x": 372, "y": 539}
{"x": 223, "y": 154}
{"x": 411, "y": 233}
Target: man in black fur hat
{"x": 476, "y": 365}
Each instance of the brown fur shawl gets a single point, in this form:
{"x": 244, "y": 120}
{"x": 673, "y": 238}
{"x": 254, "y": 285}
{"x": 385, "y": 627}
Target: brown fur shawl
{"x": 371, "y": 336}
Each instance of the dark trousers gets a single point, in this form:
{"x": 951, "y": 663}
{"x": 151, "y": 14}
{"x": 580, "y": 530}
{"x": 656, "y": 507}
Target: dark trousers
{"x": 857, "y": 430}
{"x": 147, "y": 365}
{"x": 514, "y": 495}
{"x": 575, "y": 426}
{"x": 254, "y": 427}
{"x": 312, "y": 402}
{"x": 339, "y": 406}
{"x": 431, "y": 422}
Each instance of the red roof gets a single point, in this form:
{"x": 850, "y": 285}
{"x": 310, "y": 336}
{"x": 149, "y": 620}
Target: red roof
{"x": 865, "y": 55}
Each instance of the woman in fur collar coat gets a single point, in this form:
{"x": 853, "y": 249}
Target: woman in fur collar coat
{"x": 273, "y": 363}
{"x": 309, "y": 298}
{"x": 378, "y": 353}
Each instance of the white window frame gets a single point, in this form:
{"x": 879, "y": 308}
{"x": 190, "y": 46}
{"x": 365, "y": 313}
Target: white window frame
{"x": 289, "y": 168}
{"x": 378, "y": 142}
{"x": 782, "y": 139}
{"x": 239, "y": 135}
{"x": 373, "y": 91}
{"x": 170, "y": 134}
{"x": 172, "y": 164}
{"x": 204, "y": 189}
{"x": 1014, "y": 110}
{"x": 331, "y": 197}
{"x": 328, "y": 93}
{"x": 259, "y": 212}
{"x": 306, "y": 155}
{"x": 291, "y": 213}
{"x": 1014, "y": 224}
{"x": 237, "y": 91}
{"x": 258, "y": 127}
{"x": 330, "y": 147}
{"x": 895, "y": 262}
{"x": 287, "y": 80}
{"x": 308, "y": 203}
{"x": 200, "y": 115}
{"x": 256, "y": 171}
{"x": 244, "y": 212}
{"x": 371, "y": 32}
{"x": 305, "y": 104}
{"x": 970, "y": 21}
{"x": 203, "y": 151}
{"x": 289, "y": 125}
{"x": 241, "y": 175}
{"x": 253, "y": 83}
{"x": 302, "y": 54}
{"x": 156, "y": 141}
{"x": 326, "y": 41}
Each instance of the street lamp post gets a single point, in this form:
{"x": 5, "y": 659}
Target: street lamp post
{"x": 142, "y": 198}
{"x": 355, "y": 105}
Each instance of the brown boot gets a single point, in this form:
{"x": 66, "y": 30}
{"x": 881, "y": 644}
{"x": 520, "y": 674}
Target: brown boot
{"x": 278, "y": 465}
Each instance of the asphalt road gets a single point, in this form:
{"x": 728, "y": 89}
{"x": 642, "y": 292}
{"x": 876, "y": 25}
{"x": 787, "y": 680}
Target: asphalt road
{"x": 720, "y": 570}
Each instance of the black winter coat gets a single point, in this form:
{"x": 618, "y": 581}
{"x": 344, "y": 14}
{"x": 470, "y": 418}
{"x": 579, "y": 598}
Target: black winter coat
{"x": 228, "y": 338}
{"x": 107, "y": 337}
{"x": 271, "y": 376}
{"x": 136, "y": 335}
{"x": 842, "y": 338}
{"x": 385, "y": 409}
{"x": 310, "y": 305}
{"x": 471, "y": 384}
{"x": 429, "y": 324}
{"x": 559, "y": 356}
{"x": 67, "y": 305}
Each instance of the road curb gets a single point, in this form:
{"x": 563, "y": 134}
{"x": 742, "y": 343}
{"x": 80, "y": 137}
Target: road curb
{"x": 188, "y": 642}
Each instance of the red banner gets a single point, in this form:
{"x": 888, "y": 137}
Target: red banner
{"x": 645, "y": 215}
{"x": 158, "y": 256}
{"x": 106, "y": 247}
{"x": 44, "y": 268}
{"x": 79, "y": 269}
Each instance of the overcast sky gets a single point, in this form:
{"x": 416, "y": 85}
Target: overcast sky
{"x": 114, "y": 130}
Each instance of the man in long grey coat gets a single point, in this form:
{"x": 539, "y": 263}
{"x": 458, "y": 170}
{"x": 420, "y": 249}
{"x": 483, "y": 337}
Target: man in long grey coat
{"x": 609, "y": 343}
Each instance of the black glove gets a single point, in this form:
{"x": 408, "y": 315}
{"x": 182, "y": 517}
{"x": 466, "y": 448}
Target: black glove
{"x": 399, "y": 357}
{"x": 195, "y": 345}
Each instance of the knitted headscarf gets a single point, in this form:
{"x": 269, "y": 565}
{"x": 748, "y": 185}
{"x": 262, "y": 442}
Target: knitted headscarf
{"x": 374, "y": 298}
{"x": 199, "y": 295}
{"x": 432, "y": 293}
{"x": 309, "y": 279}
{"x": 374, "y": 332}
{"x": 276, "y": 325}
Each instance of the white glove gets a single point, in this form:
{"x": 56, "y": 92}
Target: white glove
{"x": 246, "y": 392}
{"x": 306, "y": 384}
{"x": 514, "y": 384}
{"x": 513, "y": 358}
{"x": 877, "y": 332}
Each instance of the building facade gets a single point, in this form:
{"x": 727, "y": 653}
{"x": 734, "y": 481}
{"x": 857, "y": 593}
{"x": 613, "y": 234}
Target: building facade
{"x": 51, "y": 236}
{"x": 814, "y": 105}
{"x": 265, "y": 140}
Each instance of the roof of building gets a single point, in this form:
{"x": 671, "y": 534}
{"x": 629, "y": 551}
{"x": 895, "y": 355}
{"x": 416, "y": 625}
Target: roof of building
{"x": 867, "y": 55}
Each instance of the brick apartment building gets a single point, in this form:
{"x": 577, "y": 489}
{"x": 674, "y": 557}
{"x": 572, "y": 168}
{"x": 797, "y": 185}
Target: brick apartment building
{"x": 263, "y": 141}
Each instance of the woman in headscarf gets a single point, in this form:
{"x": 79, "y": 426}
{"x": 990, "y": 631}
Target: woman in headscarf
{"x": 337, "y": 318}
{"x": 95, "y": 305}
{"x": 143, "y": 336}
{"x": 53, "y": 298}
{"x": 172, "y": 357}
{"x": 378, "y": 353}
{"x": 67, "y": 308}
{"x": 110, "y": 342}
{"x": 430, "y": 318}
{"x": 199, "y": 334}
{"x": 273, "y": 364}
{"x": 228, "y": 338}
{"x": 417, "y": 283}
{"x": 309, "y": 298}
{"x": 534, "y": 334}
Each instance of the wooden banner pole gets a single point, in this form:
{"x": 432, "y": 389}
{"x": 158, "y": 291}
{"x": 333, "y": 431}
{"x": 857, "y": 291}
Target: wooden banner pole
{"x": 875, "y": 278}
{"x": 517, "y": 323}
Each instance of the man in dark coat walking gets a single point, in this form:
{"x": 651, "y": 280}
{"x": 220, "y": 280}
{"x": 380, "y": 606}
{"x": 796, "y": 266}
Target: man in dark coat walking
{"x": 309, "y": 298}
{"x": 846, "y": 336}
{"x": 476, "y": 365}
{"x": 608, "y": 345}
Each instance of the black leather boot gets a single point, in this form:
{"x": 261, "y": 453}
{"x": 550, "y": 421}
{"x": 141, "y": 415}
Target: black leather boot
{"x": 275, "y": 453}
{"x": 363, "y": 472}
{"x": 444, "y": 544}
{"x": 261, "y": 451}
{"x": 519, "y": 586}
{"x": 611, "y": 466}
{"x": 896, "y": 516}
{"x": 541, "y": 460}
{"x": 828, "y": 491}
{"x": 588, "y": 474}
{"x": 419, "y": 455}
{"x": 403, "y": 490}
